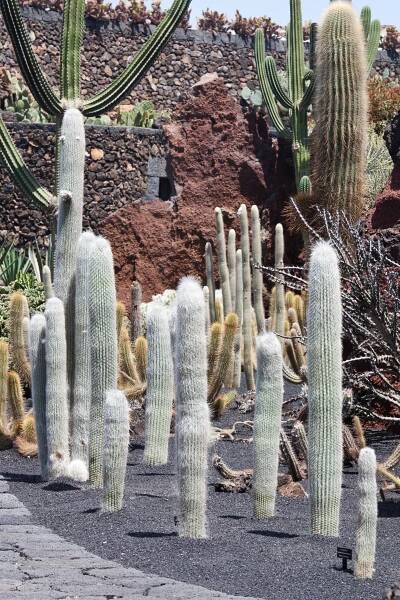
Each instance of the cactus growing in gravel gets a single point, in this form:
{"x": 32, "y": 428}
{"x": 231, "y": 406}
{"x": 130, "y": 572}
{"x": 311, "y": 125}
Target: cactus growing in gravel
{"x": 341, "y": 112}
{"x": 3, "y": 382}
{"x": 224, "y": 361}
{"x": 82, "y": 376}
{"x": 257, "y": 280}
{"x": 136, "y": 317}
{"x": 104, "y": 349}
{"x": 222, "y": 262}
{"x": 246, "y": 329}
{"x": 18, "y": 357}
{"x": 267, "y": 423}
{"x": 116, "y": 442}
{"x": 57, "y": 418}
{"x": 160, "y": 387}
{"x": 193, "y": 420}
{"x": 367, "y": 515}
{"x": 37, "y": 337}
{"x": 325, "y": 396}
{"x": 208, "y": 256}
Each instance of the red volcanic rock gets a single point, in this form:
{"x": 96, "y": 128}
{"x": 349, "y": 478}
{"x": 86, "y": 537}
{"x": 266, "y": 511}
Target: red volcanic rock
{"x": 386, "y": 212}
{"x": 214, "y": 164}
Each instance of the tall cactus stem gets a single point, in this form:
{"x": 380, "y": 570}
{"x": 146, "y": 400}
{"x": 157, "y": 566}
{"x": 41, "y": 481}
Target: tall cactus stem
{"x": 37, "y": 337}
{"x": 222, "y": 262}
{"x": 47, "y": 283}
{"x": 18, "y": 357}
{"x": 16, "y": 402}
{"x": 280, "y": 283}
{"x": 231, "y": 258}
{"x": 247, "y": 334}
{"x": 3, "y": 382}
{"x": 367, "y": 515}
{"x": 239, "y": 311}
{"x": 141, "y": 352}
{"x": 257, "y": 279}
{"x": 208, "y": 256}
{"x": 136, "y": 317}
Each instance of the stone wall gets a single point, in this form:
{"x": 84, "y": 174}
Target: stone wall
{"x": 123, "y": 165}
{"x": 189, "y": 55}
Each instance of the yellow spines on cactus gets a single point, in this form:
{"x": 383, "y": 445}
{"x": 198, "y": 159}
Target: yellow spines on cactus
{"x": 359, "y": 433}
{"x": 289, "y": 299}
{"x": 121, "y": 316}
{"x": 141, "y": 357}
{"x": 222, "y": 402}
{"x": 16, "y": 402}
{"x": 219, "y": 310}
{"x": 28, "y": 428}
{"x": 215, "y": 345}
{"x": 217, "y": 375}
{"x": 127, "y": 364}
{"x": 292, "y": 316}
{"x": 298, "y": 305}
{"x": 286, "y": 328}
{"x": 3, "y": 382}
{"x": 18, "y": 357}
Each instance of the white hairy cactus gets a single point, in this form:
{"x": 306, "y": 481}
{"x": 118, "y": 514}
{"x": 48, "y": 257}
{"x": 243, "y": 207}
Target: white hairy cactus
{"x": 367, "y": 515}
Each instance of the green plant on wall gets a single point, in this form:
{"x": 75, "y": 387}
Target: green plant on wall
{"x": 19, "y": 100}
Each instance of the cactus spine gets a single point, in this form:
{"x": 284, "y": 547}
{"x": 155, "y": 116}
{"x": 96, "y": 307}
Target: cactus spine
{"x": 136, "y": 317}
{"x": 324, "y": 353}
{"x": 208, "y": 255}
{"x": 222, "y": 262}
{"x": 17, "y": 349}
{"x": 141, "y": 358}
{"x": 257, "y": 279}
{"x": 367, "y": 515}
{"x": 57, "y": 417}
{"x": 16, "y": 401}
{"x": 160, "y": 388}
{"x": 247, "y": 334}
{"x": 231, "y": 257}
{"x": 37, "y": 337}
{"x": 223, "y": 364}
{"x": 341, "y": 112}
{"x": 82, "y": 376}
{"x": 267, "y": 423}
{"x": 116, "y": 442}
{"x": 104, "y": 349}
{"x": 193, "y": 420}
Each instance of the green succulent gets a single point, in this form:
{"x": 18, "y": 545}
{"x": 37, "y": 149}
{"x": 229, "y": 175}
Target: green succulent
{"x": 30, "y": 287}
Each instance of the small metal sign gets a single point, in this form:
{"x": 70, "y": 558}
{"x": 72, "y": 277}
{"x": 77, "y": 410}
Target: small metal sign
{"x": 345, "y": 554}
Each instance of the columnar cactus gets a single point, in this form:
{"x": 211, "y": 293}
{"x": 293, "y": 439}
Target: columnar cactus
{"x": 57, "y": 417}
{"x": 193, "y": 420}
{"x": 208, "y": 255}
{"x": 104, "y": 350}
{"x": 246, "y": 329}
{"x": 239, "y": 312}
{"x": 160, "y": 387}
{"x": 80, "y": 412}
{"x": 136, "y": 317}
{"x": 231, "y": 258}
{"x": 16, "y": 402}
{"x": 116, "y": 442}
{"x": 367, "y": 515}
{"x": 280, "y": 284}
{"x": 18, "y": 357}
{"x": 47, "y": 283}
{"x": 224, "y": 361}
{"x": 267, "y": 423}
{"x": 222, "y": 262}
{"x": 207, "y": 325}
{"x": 341, "y": 112}
{"x": 3, "y": 382}
{"x": 37, "y": 353}
{"x": 141, "y": 352}
{"x": 257, "y": 278}
{"x": 325, "y": 397}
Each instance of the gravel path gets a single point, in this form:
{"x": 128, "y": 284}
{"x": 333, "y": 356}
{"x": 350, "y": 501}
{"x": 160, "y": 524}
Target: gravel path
{"x": 37, "y": 564}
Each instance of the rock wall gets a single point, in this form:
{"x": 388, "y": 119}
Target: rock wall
{"x": 189, "y": 55}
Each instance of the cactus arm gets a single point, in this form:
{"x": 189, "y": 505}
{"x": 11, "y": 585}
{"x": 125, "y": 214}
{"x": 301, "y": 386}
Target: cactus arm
{"x": 74, "y": 14}
{"x": 122, "y": 85}
{"x": 295, "y": 56}
{"x": 20, "y": 173}
{"x": 308, "y": 94}
{"x": 373, "y": 40}
{"x": 277, "y": 89}
{"x": 366, "y": 20}
{"x": 30, "y": 69}
{"x": 267, "y": 94}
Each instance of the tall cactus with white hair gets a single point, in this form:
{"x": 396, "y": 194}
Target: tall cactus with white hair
{"x": 222, "y": 263}
{"x": 325, "y": 396}
{"x": 246, "y": 327}
{"x": 160, "y": 387}
{"x": 257, "y": 279}
{"x": 37, "y": 354}
{"x": 193, "y": 420}
{"x": 367, "y": 514}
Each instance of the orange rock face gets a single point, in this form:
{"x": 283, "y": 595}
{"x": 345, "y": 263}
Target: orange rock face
{"x": 213, "y": 162}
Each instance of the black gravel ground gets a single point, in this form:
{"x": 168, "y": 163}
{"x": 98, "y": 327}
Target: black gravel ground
{"x": 275, "y": 558}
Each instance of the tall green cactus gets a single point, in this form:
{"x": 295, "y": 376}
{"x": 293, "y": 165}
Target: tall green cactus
{"x": 246, "y": 328}
{"x": 57, "y": 418}
{"x": 300, "y": 92}
{"x": 3, "y": 382}
{"x": 116, "y": 442}
{"x": 80, "y": 410}
{"x": 372, "y": 35}
{"x": 325, "y": 396}
{"x": 160, "y": 387}
{"x": 104, "y": 349}
{"x": 367, "y": 515}
{"x": 267, "y": 423}
{"x": 37, "y": 353}
{"x": 193, "y": 420}
{"x": 341, "y": 112}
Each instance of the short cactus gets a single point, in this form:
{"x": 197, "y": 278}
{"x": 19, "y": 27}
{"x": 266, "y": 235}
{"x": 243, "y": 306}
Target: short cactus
{"x": 267, "y": 423}
{"x": 367, "y": 515}
{"x": 193, "y": 421}
{"x": 160, "y": 387}
{"x": 325, "y": 397}
{"x": 57, "y": 417}
{"x": 104, "y": 349}
{"x": 37, "y": 353}
{"x": 47, "y": 283}
{"x": 116, "y": 442}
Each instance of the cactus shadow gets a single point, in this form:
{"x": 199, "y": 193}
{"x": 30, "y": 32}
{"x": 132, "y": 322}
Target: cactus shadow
{"x": 233, "y": 517}
{"x": 389, "y": 509}
{"x": 151, "y": 534}
{"x": 281, "y": 535}
{"x": 60, "y": 486}
{"x": 22, "y": 477}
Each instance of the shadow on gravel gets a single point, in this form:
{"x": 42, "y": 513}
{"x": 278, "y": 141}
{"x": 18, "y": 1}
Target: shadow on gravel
{"x": 91, "y": 511}
{"x": 151, "y": 534}
{"x": 60, "y": 486}
{"x": 142, "y": 495}
{"x": 22, "y": 477}
{"x": 234, "y": 517}
{"x": 274, "y": 534}
{"x": 389, "y": 509}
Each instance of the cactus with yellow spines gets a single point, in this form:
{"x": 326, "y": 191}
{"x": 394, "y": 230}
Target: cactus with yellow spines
{"x": 247, "y": 317}
{"x": 222, "y": 366}
{"x": 17, "y": 350}
{"x": 215, "y": 346}
{"x": 367, "y": 515}
{"x": 16, "y": 402}
{"x": 141, "y": 358}
{"x": 289, "y": 299}
{"x": 37, "y": 352}
{"x": 3, "y": 382}
{"x": 219, "y": 309}
{"x": 121, "y": 317}
{"x": 298, "y": 305}
{"x": 359, "y": 432}
{"x": 127, "y": 364}
{"x": 222, "y": 402}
